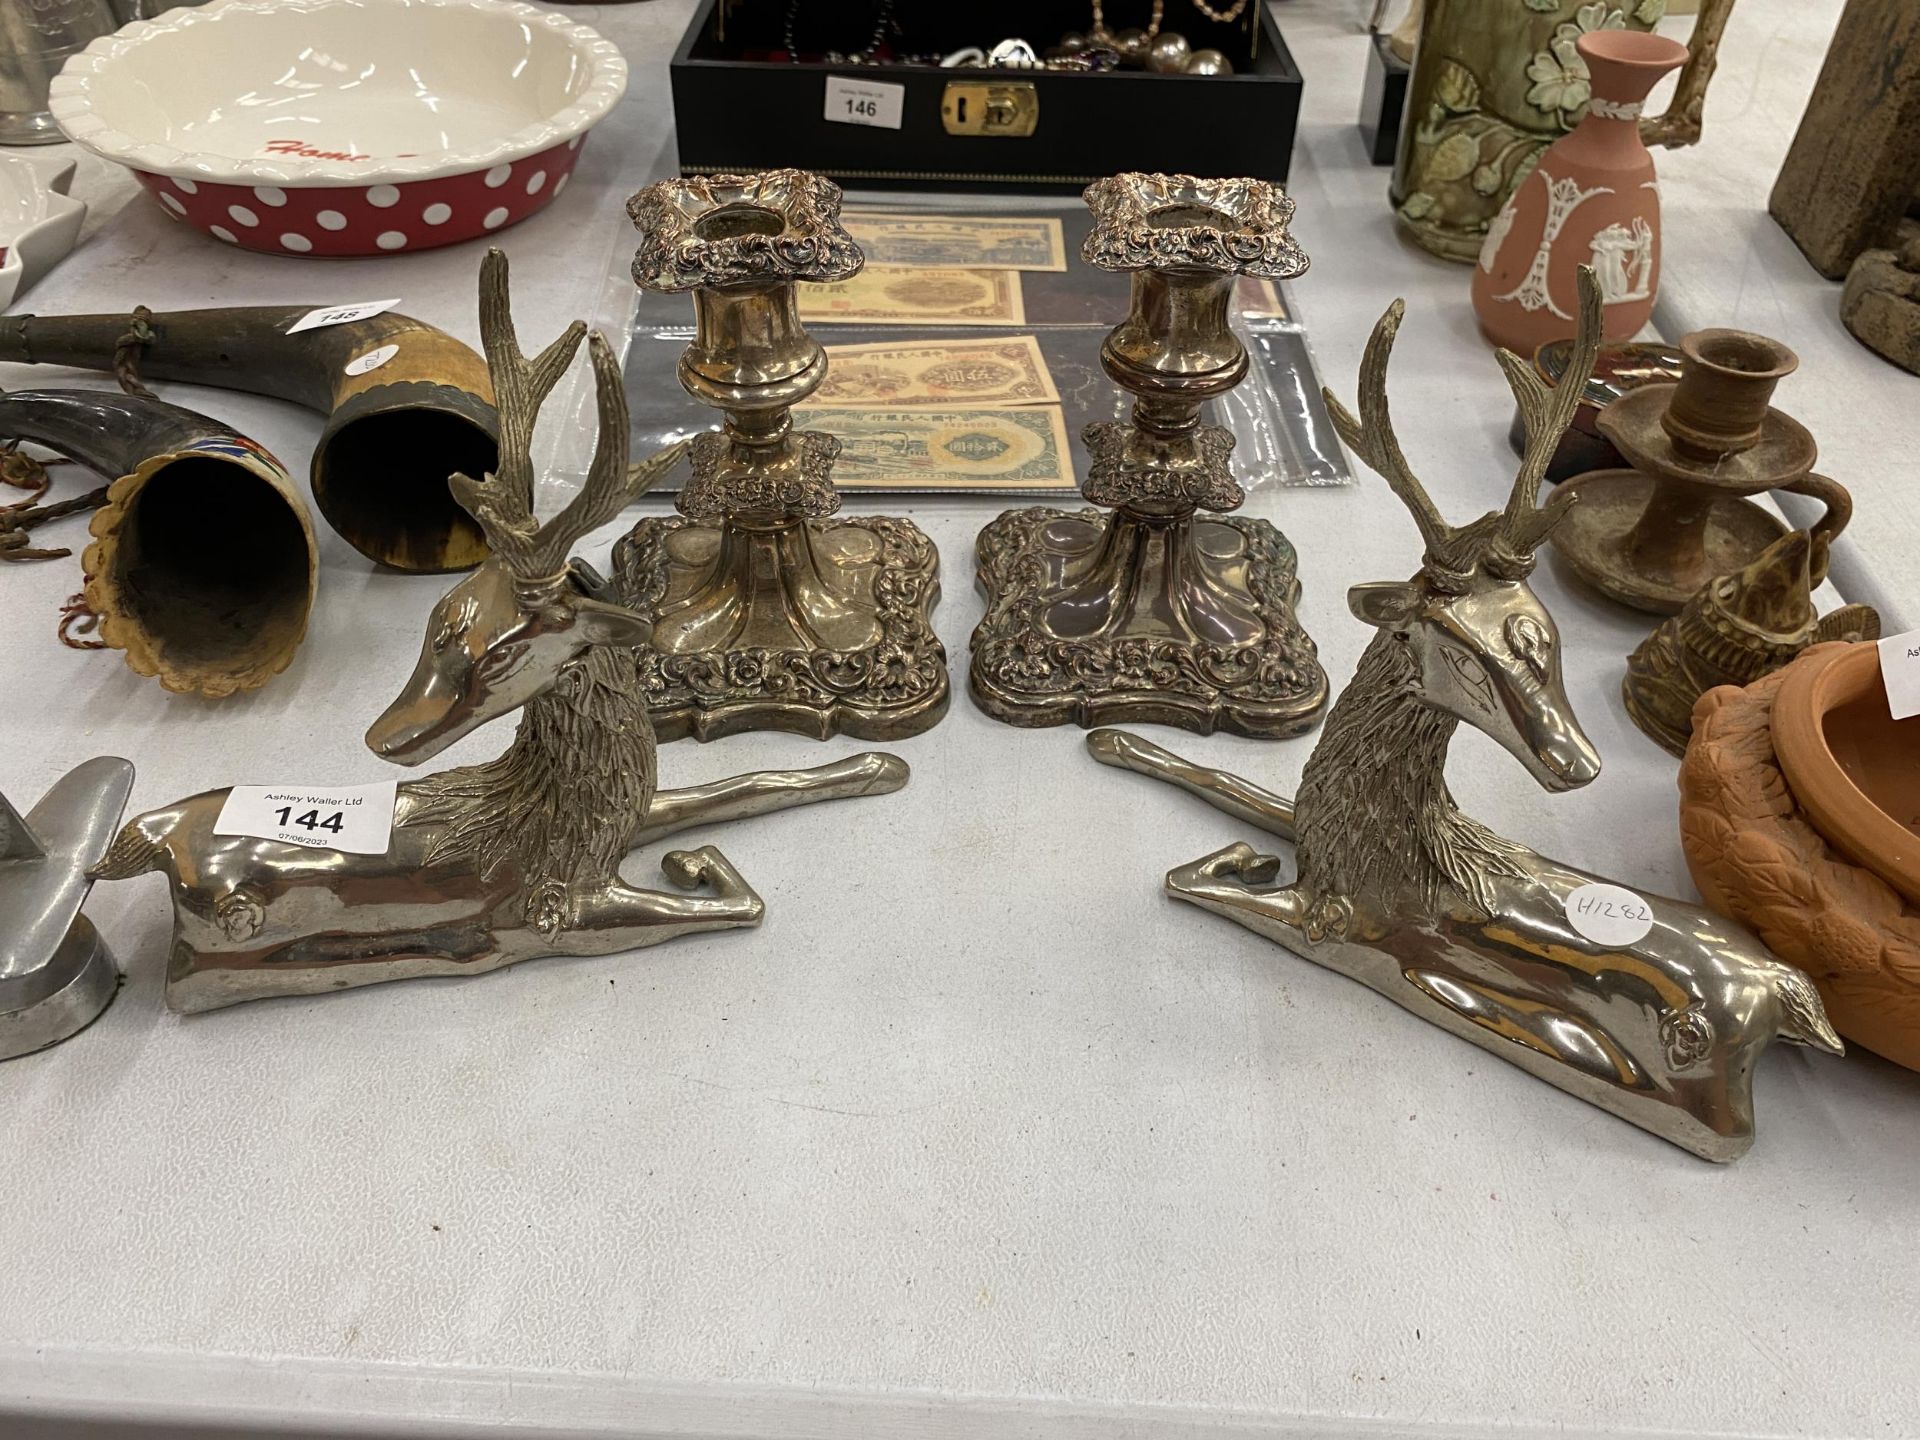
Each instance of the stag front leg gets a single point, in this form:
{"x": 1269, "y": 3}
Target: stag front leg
{"x": 1221, "y": 789}
{"x": 1237, "y": 882}
{"x": 741, "y": 797}
{"x": 616, "y": 916}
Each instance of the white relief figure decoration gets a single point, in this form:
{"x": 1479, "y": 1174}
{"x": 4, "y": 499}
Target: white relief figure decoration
{"x": 1564, "y": 196}
{"x": 1623, "y": 262}
{"x": 1497, "y": 229}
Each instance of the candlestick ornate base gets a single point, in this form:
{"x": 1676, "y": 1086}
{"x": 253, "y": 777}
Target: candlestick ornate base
{"x": 1206, "y": 639}
{"x": 1152, "y": 613}
{"x": 770, "y": 615}
{"x": 832, "y": 624}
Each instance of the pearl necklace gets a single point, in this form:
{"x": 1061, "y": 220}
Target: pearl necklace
{"x": 1102, "y": 35}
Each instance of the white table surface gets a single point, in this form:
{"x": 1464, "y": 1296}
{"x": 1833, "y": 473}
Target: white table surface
{"x": 979, "y": 1134}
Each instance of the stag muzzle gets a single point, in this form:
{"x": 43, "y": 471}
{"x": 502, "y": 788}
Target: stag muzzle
{"x": 420, "y": 724}
{"x": 203, "y": 564}
{"x": 1557, "y": 752}
{"x": 406, "y": 404}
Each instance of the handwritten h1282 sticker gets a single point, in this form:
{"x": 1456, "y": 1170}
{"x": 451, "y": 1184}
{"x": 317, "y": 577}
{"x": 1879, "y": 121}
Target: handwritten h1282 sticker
{"x": 355, "y": 818}
{"x": 1609, "y": 914}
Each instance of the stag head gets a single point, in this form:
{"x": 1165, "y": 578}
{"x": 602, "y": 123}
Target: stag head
{"x": 1484, "y": 649}
{"x": 499, "y": 638}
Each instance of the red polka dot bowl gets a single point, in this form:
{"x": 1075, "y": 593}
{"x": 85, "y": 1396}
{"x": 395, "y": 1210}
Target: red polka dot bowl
{"x": 344, "y": 127}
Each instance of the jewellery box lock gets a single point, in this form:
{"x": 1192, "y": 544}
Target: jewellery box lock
{"x": 998, "y": 107}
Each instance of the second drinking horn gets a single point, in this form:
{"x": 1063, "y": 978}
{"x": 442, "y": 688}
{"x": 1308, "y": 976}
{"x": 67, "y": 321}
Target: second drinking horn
{"x": 406, "y": 404}
{"x": 203, "y": 562}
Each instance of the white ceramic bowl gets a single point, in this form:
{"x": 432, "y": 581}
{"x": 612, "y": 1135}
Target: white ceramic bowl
{"x": 39, "y": 221}
{"x": 344, "y": 127}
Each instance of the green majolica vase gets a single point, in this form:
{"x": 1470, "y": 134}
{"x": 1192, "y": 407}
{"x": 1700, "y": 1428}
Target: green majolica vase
{"x": 1497, "y": 81}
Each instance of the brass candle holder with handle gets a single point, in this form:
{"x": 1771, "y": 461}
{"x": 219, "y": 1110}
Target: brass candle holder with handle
{"x": 1655, "y": 535}
{"x": 769, "y": 614}
{"x": 1148, "y": 612}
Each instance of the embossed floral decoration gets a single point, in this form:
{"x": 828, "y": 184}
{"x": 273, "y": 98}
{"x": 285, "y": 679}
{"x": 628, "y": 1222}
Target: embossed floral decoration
{"x": 1231, "y": 226}
{"x": 777, "y": 225}
{"x": 1560, "y": 80}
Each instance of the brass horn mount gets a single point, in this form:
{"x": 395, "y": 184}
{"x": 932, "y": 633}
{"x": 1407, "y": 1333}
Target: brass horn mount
{"x": 203, "y": 562}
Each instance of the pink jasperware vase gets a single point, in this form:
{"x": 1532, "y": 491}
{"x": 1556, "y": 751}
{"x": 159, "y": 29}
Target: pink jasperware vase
{"x": 1591, "y": 200}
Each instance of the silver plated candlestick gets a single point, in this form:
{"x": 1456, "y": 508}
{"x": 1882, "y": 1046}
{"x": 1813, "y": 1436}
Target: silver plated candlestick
{"x": 1149, "y": 612}
{"x": 770, "y": 614}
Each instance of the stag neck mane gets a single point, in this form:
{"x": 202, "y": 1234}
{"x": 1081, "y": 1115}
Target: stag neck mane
{"x": 563, "y": 803}
{"x": 1373, "y": 814}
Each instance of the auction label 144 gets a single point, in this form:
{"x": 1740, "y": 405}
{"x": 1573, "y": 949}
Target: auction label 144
{"x": 355, "y": 818}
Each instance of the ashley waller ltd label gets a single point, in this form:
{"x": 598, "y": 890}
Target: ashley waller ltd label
{"x": 865, "y": 102}
{"x": 357, "y": 818}
{"x": 1900, "y": 671}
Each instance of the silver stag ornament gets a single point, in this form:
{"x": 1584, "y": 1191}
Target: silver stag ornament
{"x": 1397, "y": 889}
{"x": 517, "y": 858}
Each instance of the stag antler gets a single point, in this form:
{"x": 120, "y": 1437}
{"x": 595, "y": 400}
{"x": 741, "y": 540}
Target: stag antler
{"x": 1547, "y": 411}
{"x": 1371, "y": 437}
{"x": 503, "y": 504}
{"x": 609, "y": 484}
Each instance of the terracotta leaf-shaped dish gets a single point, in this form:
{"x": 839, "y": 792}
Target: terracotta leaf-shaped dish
{"x": 1760, "y": 855}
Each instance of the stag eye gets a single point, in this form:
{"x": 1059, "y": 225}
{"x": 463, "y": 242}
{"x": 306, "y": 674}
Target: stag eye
{"x": 1528, "y": 639}
{"x": 501, "y": 663}
{"x": 1473, "y": 682}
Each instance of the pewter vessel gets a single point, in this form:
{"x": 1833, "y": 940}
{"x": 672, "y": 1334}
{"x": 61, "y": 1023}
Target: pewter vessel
{"x": 1396, "y": 888}
{"x": 1149, "y": 611}
{"x": 517, "y": 858}
{"x": 56, "y": 973}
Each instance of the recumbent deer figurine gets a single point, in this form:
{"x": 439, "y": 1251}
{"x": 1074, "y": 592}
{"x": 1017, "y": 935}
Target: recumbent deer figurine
{"x": 1400, "y": 891}
{"x": 516, "y": 858}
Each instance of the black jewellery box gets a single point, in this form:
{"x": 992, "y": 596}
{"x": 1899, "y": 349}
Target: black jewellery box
{"x": 741, "y": 104}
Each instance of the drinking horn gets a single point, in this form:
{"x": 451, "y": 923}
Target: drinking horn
{"x": 203, "y": 562}
{"x": 407, "y": 405}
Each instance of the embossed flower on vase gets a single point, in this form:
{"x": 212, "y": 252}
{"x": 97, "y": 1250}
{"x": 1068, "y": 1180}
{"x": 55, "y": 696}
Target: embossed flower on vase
{"x": 1560, "y": 76}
